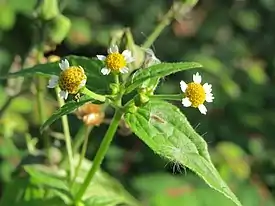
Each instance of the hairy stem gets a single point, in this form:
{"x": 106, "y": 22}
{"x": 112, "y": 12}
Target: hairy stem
{"x": 83, "y": 152}
{"x": 104, "y": 146}
{"x": 168, "y": 96}
{"x": 66, "y": 130}
{"x": 166, "y": 20}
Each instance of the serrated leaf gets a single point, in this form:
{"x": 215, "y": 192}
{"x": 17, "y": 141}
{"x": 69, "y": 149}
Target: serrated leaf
{"x": 158, "y": 71}
{"x": 65, "y": 109}
{"x": 95, "y": 80}
{"x": 168, "y": 133}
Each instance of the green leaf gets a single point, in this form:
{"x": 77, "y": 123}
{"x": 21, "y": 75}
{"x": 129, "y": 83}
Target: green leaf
{"x": 103, "y": 190}
{"x": 158, "y": 71}
{"x": 14, "y": 192}
{"x": 65, "y": 109}
{"x": 168, "y": 133}
{"x": 51, "y": 179}
{"x": 22, "y": 192}
{"x": 95, "y": 80}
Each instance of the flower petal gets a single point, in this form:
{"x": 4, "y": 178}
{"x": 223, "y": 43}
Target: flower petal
{"x": 202, "y": 109}
{"x": 183, "y": 86}
{"x": 101, "y": 57}
{"x": 53, "y": 82}
{"x": 197, "y": 78}
{"x": 63, "y": 94}
{"x": 124, "y": 70}
{"x": 113, "y": 49}
{"x": 207, "y": 88}
{"x": 186, "y": 102}
{"x": 105, "y": 71}
{"x": 64, "y": 64}
{"x": 82, "y": 83}
{"x": 128, "y": 56}
{"x": 209, "y": 97}
{"x": 127, "y": 53}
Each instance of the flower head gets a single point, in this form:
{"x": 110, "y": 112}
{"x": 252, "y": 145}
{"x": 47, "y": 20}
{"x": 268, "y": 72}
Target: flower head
{"x": 196, "y": 94}
{"x": 70, "y": 80}
{"x": 115, "y": 61}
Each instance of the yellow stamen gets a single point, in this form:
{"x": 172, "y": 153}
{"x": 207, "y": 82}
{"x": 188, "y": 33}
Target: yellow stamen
{"x": 115, "y": 61}
{"x": 71, "y": 78}
{"x": 195, "y": 93}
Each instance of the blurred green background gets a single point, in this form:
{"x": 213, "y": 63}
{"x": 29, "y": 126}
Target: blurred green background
{"x": 233, "y": 39}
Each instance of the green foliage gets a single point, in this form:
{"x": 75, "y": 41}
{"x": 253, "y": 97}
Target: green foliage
{"x": 156, "y": 71}
{"x": 92, "y": 67}
{"x": 168, "y": 133}
{"x": 68, "y": 108}
{"x": 230, "y": 39}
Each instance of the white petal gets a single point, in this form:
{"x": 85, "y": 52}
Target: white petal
{"x": 209, "y": 98}
{"x": 82, "y": 83}
{"x": 101, "y": 57}
{"x": 53, "y": 81}
{"x": 207, "y": 88}
{"x": 124, "y": 70}
{"x": 64, "y": 64}
{"x": 128, "y": 56}
{"x": 186, "y": 102}
{"x": 113, "y": 49}
{"x": 197, "y": 78}
{"x": 127, "y": 53}
{"x": 202, "y": 109}
{"x": 183, "y": 86}
{"x": 63, "y": 94}
{"x": 105, "y": 71}
{"x": 81, "y": 68}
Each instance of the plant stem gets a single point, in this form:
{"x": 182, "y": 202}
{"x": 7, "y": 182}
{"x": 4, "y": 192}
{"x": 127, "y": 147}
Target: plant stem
{"x": 104, "y": 146}
{"x": 80, "y": 137}
{"x": 83, "y": 152}
{"x": 40, "y": 88}
{"x": 166, "y": 20}
{"x": 116, "y": 76}
{"x": 66, "y": 130}
{"x": 168, "y": 96}
{"x": 93, "y": 95}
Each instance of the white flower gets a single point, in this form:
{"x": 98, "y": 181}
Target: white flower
{"x": 115, "y": 61}
{"x": 70, "y": 80}
{"x": 196, "y": 94}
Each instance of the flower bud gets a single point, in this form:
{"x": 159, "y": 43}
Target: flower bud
{"x": 58, "y": 29}
{"x": 48, "y": 9}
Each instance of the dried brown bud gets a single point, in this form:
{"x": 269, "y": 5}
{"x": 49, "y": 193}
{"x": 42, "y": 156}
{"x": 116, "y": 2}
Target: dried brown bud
{"x": 91, "y": 114}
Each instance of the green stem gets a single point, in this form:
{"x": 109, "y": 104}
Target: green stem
{"x": 93, "y": 95}
{"x": 168, "y": 96}
{"x": 40, "y": 88}
{"x": 116, "y": 76}
{"x": 83, "y": 152}
{"x": 80, "y": 137}
{"x": 66, "y": 130}
{"x": 166, "y": 20}
{"x": 104, "y": 146}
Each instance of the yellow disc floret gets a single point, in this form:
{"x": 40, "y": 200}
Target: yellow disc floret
{"x": 195, "y": 93}
{"x": 71, "y": 79}
{"x": 115, "y": 61}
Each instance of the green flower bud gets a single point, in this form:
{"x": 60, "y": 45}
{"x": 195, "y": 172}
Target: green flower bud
{"x": 141, "y": 99}
{"x": 48, "y": 9}
{"x": 115, "y": 88}
{"x": 58, "y": 28}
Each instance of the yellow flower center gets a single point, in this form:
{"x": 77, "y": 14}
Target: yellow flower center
{"x": 195, "y": 93}
{"x": 115, "y": 61}
{"x": 71, "y": 78}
